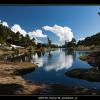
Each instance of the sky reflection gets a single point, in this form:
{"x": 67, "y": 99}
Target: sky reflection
{"x": 62, "y": 62}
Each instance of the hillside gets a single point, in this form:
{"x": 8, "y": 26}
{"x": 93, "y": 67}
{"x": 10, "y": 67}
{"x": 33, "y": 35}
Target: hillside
{"x": 90, "y": 41}
{"x": 7, "y": 36}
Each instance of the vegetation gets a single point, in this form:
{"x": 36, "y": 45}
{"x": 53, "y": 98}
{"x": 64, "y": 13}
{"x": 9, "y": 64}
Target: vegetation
{"x": 7, "y": 36}
{"x": 49, "y": 42}
{"x": 70, "y": 45}
{"x": 89, "y": 41}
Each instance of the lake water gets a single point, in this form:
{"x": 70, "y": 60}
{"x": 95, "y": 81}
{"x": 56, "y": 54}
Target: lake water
{"x": 52, "y": 66}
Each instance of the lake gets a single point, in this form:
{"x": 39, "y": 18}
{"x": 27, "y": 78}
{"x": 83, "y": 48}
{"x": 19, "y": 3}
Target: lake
{"x": 52, "y": 66}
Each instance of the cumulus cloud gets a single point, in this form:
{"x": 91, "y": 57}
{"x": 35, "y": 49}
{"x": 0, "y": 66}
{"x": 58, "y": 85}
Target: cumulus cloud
{"x": 37, "y": 33}
{"x": 34, "y": 34}
{"x": 64, "y": 33}
{"x": 37, "y": 40}
{"x": 16, "y": 28}
{"x": 5, "y": 24}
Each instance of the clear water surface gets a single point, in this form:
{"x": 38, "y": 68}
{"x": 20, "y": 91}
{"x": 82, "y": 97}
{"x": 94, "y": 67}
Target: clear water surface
{"x": 52, "y": 66}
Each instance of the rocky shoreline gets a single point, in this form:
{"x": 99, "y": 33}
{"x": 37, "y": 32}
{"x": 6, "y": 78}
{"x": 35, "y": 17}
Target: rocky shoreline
{"x": 16, "y": 68}
{"x": 12, "y": 82}
{"x": 93, "y": 59}
{"x": 92, "y": 74}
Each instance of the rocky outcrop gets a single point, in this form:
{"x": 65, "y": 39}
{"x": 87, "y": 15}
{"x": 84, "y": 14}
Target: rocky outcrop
{"x": 85, "y": 74}
{"x": 11, "y": 68}
{"x": 93, "y": 59}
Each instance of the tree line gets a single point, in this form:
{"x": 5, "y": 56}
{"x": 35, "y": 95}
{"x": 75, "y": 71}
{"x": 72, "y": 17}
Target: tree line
{"x": 9, "y": 37}
{"x": 89, "y": 41}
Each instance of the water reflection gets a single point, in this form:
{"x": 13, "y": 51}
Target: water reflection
{"x": 49, "y": 55}
{"x": 37, "y": 60}
{"x": 63, "y": 61}
{"x": 51, "y": 60}
{"x": 19, "y": 57}
{"x": 83, "y": 53}
{"x": 52, "y": 66}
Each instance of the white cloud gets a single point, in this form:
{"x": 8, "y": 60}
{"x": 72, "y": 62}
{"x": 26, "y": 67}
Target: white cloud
{"x": 37, "y": 33}
{"x": 5, "y": 24}
{"x": 34, "y": 34}
{"x": 37, "y": 40}
{"x": 64, "y": 33}
{"x": 81, "y": 39}
{"x": 16, "y": 28}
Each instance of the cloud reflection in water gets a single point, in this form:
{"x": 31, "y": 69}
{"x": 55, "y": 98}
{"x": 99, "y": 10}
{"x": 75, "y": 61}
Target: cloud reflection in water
{"x": 63, "y": 62}
{"x": 37, "y": 60}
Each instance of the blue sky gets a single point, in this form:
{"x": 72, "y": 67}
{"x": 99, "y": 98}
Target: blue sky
{"x": 82, "y": 20}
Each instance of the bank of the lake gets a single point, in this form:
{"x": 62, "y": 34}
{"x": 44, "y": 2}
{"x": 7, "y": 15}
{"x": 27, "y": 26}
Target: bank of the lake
{"x": 11, "y": 80}
{"x": 43, "y": 73}
{"x": 92, "y": 74}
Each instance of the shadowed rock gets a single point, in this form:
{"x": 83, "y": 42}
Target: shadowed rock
{"x": 93, "y": 59}
{"x": 9, "y": 89}
{"x": 16, "y": 85}
{"x": 58, "y": 89}
{"x": 86, "y": 74}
